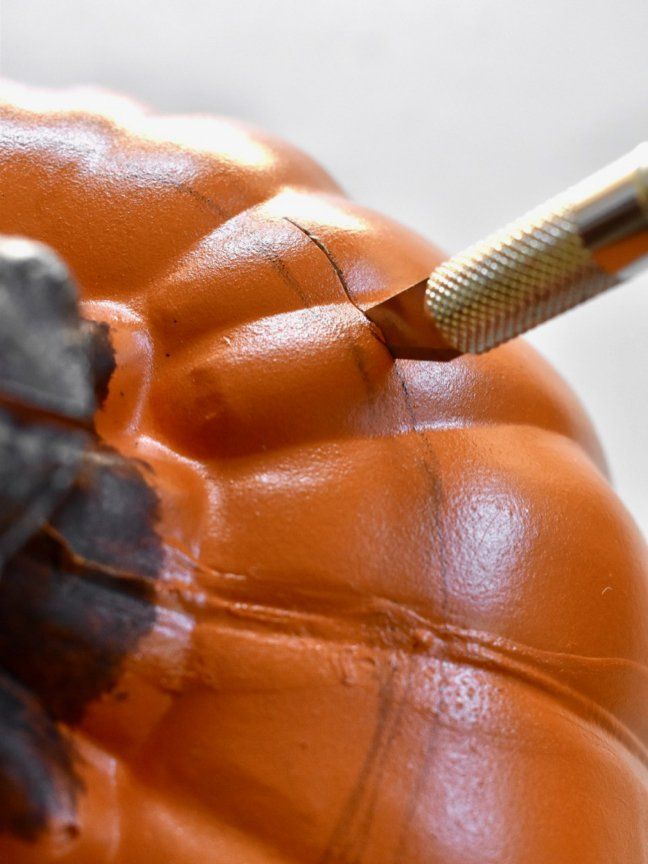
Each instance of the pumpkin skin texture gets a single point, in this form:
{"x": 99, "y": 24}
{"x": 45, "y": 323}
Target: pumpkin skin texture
{"x": 402, "y": 615}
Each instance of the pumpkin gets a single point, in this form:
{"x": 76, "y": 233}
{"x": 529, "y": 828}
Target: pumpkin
{"x": 400, "y": 614}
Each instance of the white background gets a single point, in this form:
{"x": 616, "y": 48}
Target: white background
{"x": 451, "y": 115}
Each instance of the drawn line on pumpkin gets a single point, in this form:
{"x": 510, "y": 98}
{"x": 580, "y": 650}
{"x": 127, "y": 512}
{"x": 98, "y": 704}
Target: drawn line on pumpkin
{"x": 323, "y": 248}
{"x": 358, "y": 359}
{"x": 343, "y": 834}
{"x": 352, "y": 849}
{"x": 180, "y": 186}
{"x": 416, "y": 790}
{"x": 374, "y": 329}
{"x": 389, "y": 625}
{"x": 429, "y": 463}
{"x": 280, "y": 266}
{"x": 495, "y": 655}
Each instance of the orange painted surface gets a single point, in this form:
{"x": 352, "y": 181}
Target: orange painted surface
{"x": 403, "y": 615}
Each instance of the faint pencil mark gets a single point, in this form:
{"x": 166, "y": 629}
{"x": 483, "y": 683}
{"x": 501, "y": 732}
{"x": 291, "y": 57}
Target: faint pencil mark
{"x": 363, "y": 833}
{"x": 422, "y": 774}
{"x": 344, "y": 828}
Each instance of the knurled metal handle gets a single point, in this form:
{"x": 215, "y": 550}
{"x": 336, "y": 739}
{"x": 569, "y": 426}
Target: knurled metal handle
{"x": 560, "y": 254}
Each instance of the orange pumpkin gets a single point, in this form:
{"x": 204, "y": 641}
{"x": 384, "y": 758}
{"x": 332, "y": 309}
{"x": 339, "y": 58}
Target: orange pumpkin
{"x": 401, "y": 615}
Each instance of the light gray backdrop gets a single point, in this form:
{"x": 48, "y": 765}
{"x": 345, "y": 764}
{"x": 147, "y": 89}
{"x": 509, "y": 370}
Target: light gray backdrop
{"x": 451, "y": 115}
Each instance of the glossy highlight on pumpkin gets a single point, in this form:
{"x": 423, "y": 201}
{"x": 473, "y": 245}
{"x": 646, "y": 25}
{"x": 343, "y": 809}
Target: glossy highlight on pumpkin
{"x": 402, "y": 615}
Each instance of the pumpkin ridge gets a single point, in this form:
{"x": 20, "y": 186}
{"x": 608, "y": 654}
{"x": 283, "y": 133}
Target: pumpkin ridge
{"x": 427, "y": 637}
{"x": 346, "y": 617}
